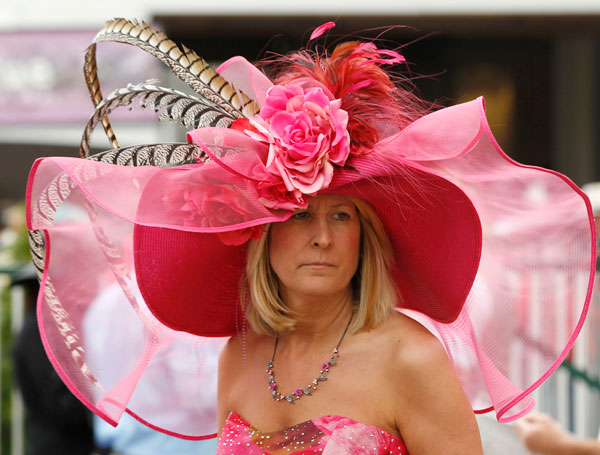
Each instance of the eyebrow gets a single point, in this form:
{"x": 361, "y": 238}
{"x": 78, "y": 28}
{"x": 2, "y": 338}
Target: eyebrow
{"x": 335, "y": 206}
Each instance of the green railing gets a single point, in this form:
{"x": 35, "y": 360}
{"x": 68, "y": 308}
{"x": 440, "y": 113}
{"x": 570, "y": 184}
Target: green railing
{"x": 592, "y": 382}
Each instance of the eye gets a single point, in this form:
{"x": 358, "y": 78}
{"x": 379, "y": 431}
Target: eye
{"x": 300, "y": 215}
{"x": 341, "y": 216}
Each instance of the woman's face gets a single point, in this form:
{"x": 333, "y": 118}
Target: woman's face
{"x": 316, "y": 251}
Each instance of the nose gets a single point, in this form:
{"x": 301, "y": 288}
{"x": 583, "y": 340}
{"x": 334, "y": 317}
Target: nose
{"x": 321, "y": 232}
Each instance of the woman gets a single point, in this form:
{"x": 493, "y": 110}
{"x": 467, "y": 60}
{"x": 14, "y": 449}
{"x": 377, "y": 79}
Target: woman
{"x": 313, "y": 259}
{"x": 326, "y": 200}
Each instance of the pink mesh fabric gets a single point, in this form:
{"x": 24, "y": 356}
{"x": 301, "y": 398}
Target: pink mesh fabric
{"x": 520, "y": 314}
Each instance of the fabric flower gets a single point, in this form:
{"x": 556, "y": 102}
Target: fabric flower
{"x": 273, "y": 193}
{"x": 215, "y": 205}
{"x": 306, "y": 134}
{"x": 241, "y": 236}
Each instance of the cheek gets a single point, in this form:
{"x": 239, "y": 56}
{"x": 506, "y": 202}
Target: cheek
{"x": 354, "y": 246}
{"x": 281, "y": 247}
{"x": 355, "y": 237}
{"x": 350, "y": 250}
{"x": 280, "y": 240}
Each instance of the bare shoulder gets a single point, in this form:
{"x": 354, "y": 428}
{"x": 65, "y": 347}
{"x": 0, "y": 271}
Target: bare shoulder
{"x": 430, "y": 400}
{"x": 418, "y": 357}
{"x": 239, "y": 350}
{"x": 236, "y": 355}
{"x": 231, "y": 355}
{"x": 414, "y": 357}
{"x": 409, "y": 347}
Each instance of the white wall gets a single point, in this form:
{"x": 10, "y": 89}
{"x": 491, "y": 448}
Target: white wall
{"x": 19, "y": 14}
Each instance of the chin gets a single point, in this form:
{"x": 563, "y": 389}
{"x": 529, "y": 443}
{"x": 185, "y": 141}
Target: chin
{"x": 318, "y": 290}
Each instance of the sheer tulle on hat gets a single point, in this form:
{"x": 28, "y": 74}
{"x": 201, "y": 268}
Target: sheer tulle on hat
{"x": 521, "y": 308}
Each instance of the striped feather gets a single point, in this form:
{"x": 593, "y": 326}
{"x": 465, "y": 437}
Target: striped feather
{"x": 151, "y": 155}
{"x": 60, "y": 188}
{"x": 190, "y": 111}
{"x": 90, "y": 71}
{"x": 184, "y": 62}
{"x": 36, "y": 246}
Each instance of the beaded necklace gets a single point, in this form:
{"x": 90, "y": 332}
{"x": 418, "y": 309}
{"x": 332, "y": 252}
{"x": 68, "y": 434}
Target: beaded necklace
{"x": 310, "y": 388}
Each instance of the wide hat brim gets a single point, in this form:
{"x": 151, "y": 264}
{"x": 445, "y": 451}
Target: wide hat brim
{"x": 191, "y": 281}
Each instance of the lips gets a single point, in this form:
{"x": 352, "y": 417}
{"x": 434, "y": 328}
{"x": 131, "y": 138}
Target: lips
{"x": 318, "y": 265}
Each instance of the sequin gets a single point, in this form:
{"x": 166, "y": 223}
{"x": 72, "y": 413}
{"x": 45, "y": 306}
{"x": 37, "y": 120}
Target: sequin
{"x": 337, "y": 434}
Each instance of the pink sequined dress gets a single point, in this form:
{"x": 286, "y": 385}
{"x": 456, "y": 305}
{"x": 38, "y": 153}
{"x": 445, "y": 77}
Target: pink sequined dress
{"x": 328, "y": 435}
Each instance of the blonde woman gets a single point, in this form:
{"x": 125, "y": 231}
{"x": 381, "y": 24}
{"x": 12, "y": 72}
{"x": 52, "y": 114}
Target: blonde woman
{"x": 322, "y": 281}
{"x": 375, "y": 271}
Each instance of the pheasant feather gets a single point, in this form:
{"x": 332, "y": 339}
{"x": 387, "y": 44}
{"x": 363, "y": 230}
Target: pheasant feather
{"x": 185, "y": 64}
{"x": 60, "y": 188}
{"x": 170, "y": 104}
{"x": 90, "y": 71}
{"x": 162, "y": 155}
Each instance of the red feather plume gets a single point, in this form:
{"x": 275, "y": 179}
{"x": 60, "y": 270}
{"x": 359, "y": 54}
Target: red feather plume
{"x": 377, "y": 103}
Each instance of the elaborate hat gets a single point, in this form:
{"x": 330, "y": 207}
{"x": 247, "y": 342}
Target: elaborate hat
{"x": 141, "y": 261}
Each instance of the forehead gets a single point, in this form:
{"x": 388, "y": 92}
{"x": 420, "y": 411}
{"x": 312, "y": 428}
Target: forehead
{"x": 328, "y": 200}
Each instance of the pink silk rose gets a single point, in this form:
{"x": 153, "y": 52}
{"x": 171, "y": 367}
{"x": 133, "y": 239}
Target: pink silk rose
{"x": 227, "y": 205}
{"x": 206, "y": 204}
{"x": 306, "y": 134}
{"x": 273, "y": 193}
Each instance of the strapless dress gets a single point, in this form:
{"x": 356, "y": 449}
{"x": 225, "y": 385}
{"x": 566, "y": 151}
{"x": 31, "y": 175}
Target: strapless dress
{"x": 328, "y": 435}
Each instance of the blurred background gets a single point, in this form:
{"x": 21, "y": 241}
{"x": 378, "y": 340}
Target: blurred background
{"x": 537, "y": 63}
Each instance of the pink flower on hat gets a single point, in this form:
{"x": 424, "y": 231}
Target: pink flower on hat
{"x": 215, "y": 205}
{"x": 307, "y": 135}
{"x": 273, "y": 193}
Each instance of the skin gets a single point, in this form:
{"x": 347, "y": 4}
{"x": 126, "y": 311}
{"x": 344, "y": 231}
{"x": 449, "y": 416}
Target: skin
{"x": 543, "y": 435}
{"x": 396, "y": 377}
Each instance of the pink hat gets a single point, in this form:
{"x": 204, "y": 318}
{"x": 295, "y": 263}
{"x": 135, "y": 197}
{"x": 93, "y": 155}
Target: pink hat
{"x": 495, "y": 258}
{"x": 434, "y": 228}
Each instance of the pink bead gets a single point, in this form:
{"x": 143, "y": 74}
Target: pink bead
{"x": 298, "y": 392}
{"x": 272, "y": 386}
{"x": 325, "y": 366}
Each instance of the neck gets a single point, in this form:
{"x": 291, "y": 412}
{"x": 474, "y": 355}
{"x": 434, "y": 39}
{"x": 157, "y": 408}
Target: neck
{"x": 318, "y": 318}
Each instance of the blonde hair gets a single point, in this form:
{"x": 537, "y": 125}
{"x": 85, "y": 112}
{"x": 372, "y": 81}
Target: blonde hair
{"x": 374, "y": 288}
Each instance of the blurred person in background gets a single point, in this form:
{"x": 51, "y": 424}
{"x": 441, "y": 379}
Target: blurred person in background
{"x": 56, "y": 422}
{"x": 539, "y": 432}
{"x": 132, "y": 437}
{"x": 542, "y": 435}
{"x": 107, "y": 336}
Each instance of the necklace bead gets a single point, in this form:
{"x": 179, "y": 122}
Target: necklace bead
{"x": 300, "y": 392}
